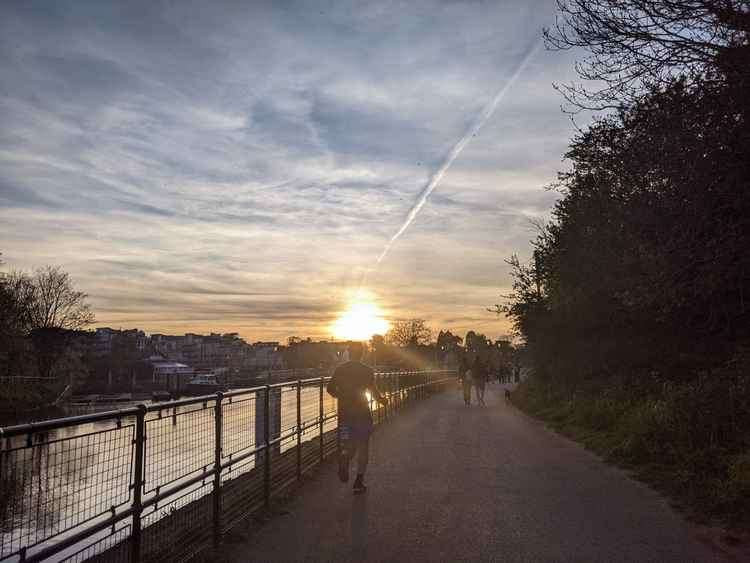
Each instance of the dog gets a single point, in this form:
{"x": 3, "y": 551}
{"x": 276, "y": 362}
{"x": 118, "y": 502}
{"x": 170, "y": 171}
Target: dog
{"x": 507, "y": 394}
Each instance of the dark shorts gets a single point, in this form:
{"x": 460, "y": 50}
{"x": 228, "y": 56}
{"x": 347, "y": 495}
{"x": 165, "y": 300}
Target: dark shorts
{"x": 355, "y": 431}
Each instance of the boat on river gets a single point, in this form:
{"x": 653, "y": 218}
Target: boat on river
{"x": 204, "y": 384}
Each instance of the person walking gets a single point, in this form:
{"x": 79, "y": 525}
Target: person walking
{"x": 464, "y": 376}
{"x": 479, "y": 374}
{"x": 349, "y": 383}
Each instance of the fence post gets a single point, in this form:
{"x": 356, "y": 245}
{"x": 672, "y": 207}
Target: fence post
{"x": 299, "y": 429}
{"x": 140, "y": 452}
{"x": 398, "y": 391}
{"x": 381, "y": 408}
{"x": 322, "y": 379}
{"x": 267, "y": 457}
{"x": 382, "y": 387}
{"x": 217, "y": 469}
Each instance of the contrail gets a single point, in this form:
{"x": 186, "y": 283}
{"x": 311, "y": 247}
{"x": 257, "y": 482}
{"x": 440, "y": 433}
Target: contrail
{"x": 480, "y": 120}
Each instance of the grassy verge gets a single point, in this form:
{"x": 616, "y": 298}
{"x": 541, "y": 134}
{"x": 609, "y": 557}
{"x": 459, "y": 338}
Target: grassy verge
{"x": 683, "y": 441}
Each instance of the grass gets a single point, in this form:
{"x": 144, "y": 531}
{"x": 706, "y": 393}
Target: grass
{"x": 681, "y": 441}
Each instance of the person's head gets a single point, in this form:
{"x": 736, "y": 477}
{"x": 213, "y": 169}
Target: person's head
{"x": 355, "y": 351}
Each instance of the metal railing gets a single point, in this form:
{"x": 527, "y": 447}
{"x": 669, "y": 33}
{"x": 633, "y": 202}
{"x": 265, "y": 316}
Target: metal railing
{"x": 165, "y": 481}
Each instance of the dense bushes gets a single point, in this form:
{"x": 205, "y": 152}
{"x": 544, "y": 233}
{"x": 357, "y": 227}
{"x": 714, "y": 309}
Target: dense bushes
{"x": 636, "y": 304}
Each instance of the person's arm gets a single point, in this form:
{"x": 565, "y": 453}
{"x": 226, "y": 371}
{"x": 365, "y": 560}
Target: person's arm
{"x": 376, "y": 394}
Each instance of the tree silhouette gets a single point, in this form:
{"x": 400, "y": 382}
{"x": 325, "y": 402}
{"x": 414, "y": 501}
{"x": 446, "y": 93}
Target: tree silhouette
{"x": 635, "y": 46}
{"x": 411, "y": 332}
{"x": 55, "y": 303}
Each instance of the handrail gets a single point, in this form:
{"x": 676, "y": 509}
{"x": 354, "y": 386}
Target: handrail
{"x": 64, "y": 422}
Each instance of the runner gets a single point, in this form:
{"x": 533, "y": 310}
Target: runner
{"x": 349, "y": 383}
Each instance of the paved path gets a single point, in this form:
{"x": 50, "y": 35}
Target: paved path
{"x": 447, "y": 483}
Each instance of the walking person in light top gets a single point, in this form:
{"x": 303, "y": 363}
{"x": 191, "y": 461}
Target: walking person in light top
{"x": 349, "y": 383}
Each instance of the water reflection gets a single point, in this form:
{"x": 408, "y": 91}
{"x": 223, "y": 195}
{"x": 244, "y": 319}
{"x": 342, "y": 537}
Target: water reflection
{"x": 66, "y": 477}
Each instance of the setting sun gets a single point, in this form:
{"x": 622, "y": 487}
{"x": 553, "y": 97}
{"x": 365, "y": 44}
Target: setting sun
{"x": 359, "y": 322}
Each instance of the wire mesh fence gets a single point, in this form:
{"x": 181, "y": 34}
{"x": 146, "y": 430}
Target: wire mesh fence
{"x": 166, "y": 481}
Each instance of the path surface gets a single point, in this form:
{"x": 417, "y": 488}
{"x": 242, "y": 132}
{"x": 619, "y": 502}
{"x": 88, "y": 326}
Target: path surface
{"x": 447, "y": 483}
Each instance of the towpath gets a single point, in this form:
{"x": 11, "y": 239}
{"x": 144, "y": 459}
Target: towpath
{"x": 450, "y": 483}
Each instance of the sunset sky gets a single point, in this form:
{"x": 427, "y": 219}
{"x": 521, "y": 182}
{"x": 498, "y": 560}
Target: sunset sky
{"x": 239, "y": 167}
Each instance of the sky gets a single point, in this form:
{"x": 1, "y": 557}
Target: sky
{"x": 240, "y": 166}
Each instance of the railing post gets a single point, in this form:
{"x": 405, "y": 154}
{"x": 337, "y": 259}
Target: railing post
{"x": 138, "y": 472}
{"x": 322, "y": 379}
{"x": 384, "y": 391}
{"x": 398, "y": 390}
{"x": 387, "y": 394}
{"x": 267, "y": 456}
{"x": 381, "y": 408}
{"x": 217, "y": 469}
{"x": 299, "y": 429}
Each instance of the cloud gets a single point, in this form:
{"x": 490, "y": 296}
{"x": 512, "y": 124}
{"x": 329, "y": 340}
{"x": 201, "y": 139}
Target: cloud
{"x": 239, "y": 165}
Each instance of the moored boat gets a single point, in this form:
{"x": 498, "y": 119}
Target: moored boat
{"x": 204, "y": 384}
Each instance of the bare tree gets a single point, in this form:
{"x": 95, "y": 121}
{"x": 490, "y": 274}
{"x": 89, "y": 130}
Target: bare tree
{"x": 410, "y": 332}
{"x": 637, "y": 44}
{"x": 56, "y": 304}
{"x": 17, "y": 291}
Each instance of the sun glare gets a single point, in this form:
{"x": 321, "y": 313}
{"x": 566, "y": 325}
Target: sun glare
{"x": 359, "y": 322}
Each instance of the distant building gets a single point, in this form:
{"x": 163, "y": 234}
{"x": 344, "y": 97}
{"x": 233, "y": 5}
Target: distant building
{"x": 166, "y": 374}
{"x": 103, "y": 338}
{"x": 265, "y": 355}
{"x": 168, "y": 346}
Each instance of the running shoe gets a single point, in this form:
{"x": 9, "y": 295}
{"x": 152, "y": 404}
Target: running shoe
{"x": 359, "y": 486}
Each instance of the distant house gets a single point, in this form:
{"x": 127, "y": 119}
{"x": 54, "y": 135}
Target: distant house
{"x": 167, "y": 374}
{"x": 265, "y": 355}
{"x": 103, "y": 340}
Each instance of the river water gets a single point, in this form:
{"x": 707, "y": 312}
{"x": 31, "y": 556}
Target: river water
{"x": 66, "y": 477}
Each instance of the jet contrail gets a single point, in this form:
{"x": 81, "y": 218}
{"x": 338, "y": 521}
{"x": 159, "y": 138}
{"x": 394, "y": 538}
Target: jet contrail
{"x": 481, "y": 119}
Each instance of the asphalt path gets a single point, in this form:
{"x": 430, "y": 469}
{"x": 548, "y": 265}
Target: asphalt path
{"x": 451, "y": 483}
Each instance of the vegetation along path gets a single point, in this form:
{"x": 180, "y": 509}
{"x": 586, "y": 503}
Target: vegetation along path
{"x": 450, "y": 483}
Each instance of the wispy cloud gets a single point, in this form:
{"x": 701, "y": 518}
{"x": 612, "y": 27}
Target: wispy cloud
{"x": 239, "y": 165}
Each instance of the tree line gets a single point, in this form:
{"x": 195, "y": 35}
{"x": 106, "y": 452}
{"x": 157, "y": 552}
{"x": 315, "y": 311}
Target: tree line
{"x": 410, "y": 344}
{"x": 634, "y": 304}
